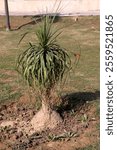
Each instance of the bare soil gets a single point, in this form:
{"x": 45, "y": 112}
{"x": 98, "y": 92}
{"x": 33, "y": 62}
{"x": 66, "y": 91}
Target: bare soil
{"x": 73, "y": 132}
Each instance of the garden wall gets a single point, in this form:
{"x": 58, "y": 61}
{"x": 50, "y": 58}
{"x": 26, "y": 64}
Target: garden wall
{"x": 67, "y": 7}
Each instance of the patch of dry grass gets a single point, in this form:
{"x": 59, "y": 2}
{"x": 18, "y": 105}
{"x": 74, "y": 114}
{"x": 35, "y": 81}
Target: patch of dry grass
{"x": 84, "y": 33}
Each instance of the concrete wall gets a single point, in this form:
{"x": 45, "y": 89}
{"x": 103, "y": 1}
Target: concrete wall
{"x": 67, "y": 7}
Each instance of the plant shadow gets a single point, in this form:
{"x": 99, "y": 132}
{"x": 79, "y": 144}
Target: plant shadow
{"x": 77, "y": 99}
{"x": 38, "y": 18}
{"x": 32, "y": 22}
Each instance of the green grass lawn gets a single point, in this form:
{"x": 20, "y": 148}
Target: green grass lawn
{"x": 81, "y": 36}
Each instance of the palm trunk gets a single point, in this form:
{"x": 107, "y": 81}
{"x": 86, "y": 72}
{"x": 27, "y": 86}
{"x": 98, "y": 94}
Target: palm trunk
{"x": 45, "y": 118}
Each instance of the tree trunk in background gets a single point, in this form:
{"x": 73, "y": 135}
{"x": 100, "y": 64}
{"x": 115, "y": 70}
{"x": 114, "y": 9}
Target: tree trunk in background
{"x": 7, "y": 15}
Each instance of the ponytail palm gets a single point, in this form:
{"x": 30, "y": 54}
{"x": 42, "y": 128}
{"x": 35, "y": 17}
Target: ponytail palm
{"x": 43, "y": 65}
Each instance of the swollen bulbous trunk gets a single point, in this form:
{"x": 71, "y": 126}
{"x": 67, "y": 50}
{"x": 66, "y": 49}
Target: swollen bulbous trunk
{"x": 45, "y": 118}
